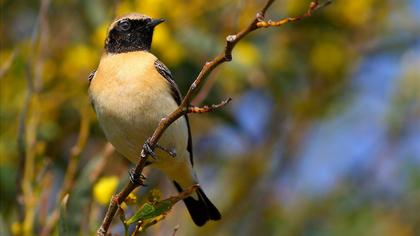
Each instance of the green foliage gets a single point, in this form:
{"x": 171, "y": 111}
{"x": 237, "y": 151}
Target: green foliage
{"x": 151, "y": 210}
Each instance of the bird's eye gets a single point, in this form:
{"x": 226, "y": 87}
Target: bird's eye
{"x": 124, "y": 25}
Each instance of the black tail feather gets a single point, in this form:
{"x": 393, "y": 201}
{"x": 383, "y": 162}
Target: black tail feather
{"x": 201, "y": 210}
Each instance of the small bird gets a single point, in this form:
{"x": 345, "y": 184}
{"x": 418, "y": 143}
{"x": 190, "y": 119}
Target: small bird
{"x": 131, "y": 91}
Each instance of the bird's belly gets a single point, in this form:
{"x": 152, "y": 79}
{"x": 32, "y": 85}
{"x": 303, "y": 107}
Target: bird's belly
{"x": 125, "y": 129}
{"x": 128, "y": 118}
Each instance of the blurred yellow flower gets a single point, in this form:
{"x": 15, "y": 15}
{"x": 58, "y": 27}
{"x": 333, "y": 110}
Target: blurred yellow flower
{"x": 152, "y": 8}
{"x": 16, "y": 228}
{"x": 124, "y": 7}
{"x": 327, "y": 57}
{"x": 131, "y": 199}
{"x": 294, "y": 7}
{"x": 78, "y": 59}
{"x": 246, "y": 54}
{"x": 355, "y": 13}
{"x": 104, "y": 188}
{"x": 171, "y": 51}
{"x": 98, "y": 37}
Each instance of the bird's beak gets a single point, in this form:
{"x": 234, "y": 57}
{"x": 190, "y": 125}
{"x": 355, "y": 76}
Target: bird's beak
{"x": 155, "y": 22}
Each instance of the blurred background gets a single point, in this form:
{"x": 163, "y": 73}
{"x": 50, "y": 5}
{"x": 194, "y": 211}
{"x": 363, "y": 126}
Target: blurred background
{"x": 322, "y": 136}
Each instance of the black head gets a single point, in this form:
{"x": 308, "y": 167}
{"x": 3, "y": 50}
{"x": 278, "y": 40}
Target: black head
{"x": 132, "y": 32}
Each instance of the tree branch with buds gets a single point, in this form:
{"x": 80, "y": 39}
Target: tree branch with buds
{"x": 185, "y": 107}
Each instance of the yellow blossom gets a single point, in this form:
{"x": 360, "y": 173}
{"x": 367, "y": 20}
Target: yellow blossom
{"x": 16, "y": 228}
{"x": 172, "y": 52}
{"x": 246, "y": 54}
{"x": 131, "y": 199}
{"x": 104, "y": 188}
{"x": 327, "y": 57}
{"x": 78, "y": 59}
{"x": 98, "y": 37}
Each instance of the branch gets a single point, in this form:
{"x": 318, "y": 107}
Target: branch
{"x": 314, "y": 5}
{"x": 70, "y": 173}
{"x": 26, "y": 137}
{"x": 184, "y": 107}
{"x": 204, "y": 109}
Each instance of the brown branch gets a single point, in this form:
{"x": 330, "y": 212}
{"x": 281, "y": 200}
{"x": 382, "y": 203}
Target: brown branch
{"x": 7, "y": 64}
{"x": 71, "y": 170}
{"x": 75, "y": 152}
{"x": 26, "y": 138}
{"x": 183, "y": 108}
{"x": 313, "y": 6}
{"x": 204, "y": 109}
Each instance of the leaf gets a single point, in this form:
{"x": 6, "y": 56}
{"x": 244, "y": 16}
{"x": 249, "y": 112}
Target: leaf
{"x": 148, "y": 211}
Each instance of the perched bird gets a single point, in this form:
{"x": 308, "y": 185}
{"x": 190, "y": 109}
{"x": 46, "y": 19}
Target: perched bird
{"x": 131, "y": 91}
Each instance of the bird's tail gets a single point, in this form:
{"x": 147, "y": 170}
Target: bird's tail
{"x": 201, "y": 209}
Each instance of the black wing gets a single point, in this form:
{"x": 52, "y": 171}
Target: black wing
{"x": 176, "y": 94}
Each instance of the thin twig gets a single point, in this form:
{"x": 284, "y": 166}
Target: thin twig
{"x": 75, "y": 152}
{"x": 21, "y": 134}
{"x": 27, "y": 133}
{"x": 7, "y": 64}
{"x": 204, "y": 109}
{"x": 71, "y": 170}
{"x": 312, "y": 7}
{"x": 183, "y": 108}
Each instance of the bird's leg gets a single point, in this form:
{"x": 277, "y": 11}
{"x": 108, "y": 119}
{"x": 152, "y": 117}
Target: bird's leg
{"x": 136, "y": 178}
{"x": 171, "y": 152}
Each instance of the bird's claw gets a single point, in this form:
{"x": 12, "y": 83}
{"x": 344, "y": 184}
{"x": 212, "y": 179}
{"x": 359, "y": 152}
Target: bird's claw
{"x": 148, "y": 150}
{"x": 136, "y": 178}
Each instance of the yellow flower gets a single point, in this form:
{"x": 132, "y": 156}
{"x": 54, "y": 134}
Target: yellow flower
{"x": 172, "y": 53}
{"x": 79, "y": 59}
{"x": 16, "y": 228}
{"x": 131, "y": 199}
{"x": 124, "y": 8}
{"x": 104, "y": 188}
{"x": 98, "y": 37}
{"x": 246, "y": 54}
{"x": 151, "y": 8}
{"x": 327, "y": 57}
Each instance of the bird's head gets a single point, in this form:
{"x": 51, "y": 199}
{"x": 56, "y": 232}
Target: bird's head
{"x": 132, "y": 32}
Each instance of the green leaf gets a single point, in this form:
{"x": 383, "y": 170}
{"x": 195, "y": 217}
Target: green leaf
{"x": 148, "y": 211}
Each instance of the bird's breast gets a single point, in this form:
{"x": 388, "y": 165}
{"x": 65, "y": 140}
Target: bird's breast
{"x": 130, "y": 98}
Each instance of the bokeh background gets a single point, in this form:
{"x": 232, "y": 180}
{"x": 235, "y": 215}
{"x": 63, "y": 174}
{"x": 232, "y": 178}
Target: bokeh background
{"x": 322, "y": 136}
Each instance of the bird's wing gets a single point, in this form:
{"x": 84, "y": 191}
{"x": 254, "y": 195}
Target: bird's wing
{"x": 176, "y": 94}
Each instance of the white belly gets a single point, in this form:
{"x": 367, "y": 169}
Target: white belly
{"x": 129, "y": 103}
{"x": 128, "y": 123}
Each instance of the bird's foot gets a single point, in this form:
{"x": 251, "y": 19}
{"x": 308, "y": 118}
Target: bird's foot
{"x": 148, "y": 150}
{"x": 135, "y": 178}
{"x": 171, "y": 152}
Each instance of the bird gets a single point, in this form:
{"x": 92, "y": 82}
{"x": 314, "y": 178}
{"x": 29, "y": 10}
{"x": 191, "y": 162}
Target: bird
{"x": 131, "y": 91}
